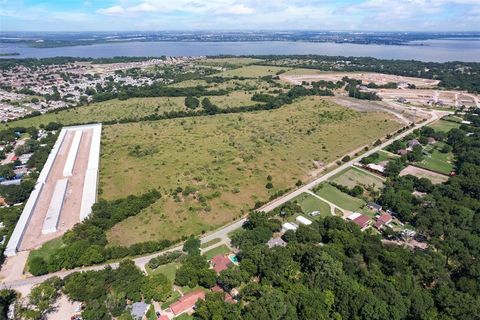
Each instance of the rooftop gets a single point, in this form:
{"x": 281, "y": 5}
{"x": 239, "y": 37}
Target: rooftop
{"x": 187, "y": 302}
{"x": 220, "y": 263}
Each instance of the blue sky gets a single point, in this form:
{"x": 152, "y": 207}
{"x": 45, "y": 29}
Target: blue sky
{"x": 91, "y": 15}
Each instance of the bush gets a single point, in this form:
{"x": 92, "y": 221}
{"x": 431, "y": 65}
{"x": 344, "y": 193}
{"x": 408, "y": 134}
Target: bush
{"x": 37, "y": 266}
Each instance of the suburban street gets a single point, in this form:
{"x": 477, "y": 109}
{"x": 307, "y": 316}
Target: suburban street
{"x": 222, "y": 234}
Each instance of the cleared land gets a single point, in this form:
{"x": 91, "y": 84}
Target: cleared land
{"x": 70, "y": 212}
{"x": 437, "y": 161}
{"x": 221, "y": 163}
{"x": 342, "y": 200}
{"x": 436, "y": 178}
{"x": 309, "y": 203}
{"x": 252, "y": 71}
{"x": 222, "y": 249}
{"x": 444, "y": 126}
{"x": 299, "y": 75}
{"x": 228, "y": 61}
{"x": 354, "y": 176}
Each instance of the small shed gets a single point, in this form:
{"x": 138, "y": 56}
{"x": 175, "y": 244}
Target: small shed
{"x": 303, "y": 220}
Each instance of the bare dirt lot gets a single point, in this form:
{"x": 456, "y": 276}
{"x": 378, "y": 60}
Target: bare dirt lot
{"x": 423, "y": 97}
{"x": 366, "y": 77}
{"x": 436, "y": 178}
{"x": 70, "y": 213}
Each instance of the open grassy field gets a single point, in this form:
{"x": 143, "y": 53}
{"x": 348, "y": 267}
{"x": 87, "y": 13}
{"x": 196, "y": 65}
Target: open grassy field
{"x": 342, "y": 200}
{"x": 309, "y": 203}
{"x": 222, "y": 162}
{"x": 437, "y": 161}
{"x": 108, "y": 110}
{"x": 252, "y": 71}
{"x": 443, "y": 125}
{"x": 354, "y": 176}
{"x": 236, "y": 61}
{"x": 222, "y": 249}
{"x": 168, "y": 270}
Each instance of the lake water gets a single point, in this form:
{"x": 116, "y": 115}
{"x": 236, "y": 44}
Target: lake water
{"x": 430, "y": 50}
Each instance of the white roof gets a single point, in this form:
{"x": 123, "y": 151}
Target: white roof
{"x": 290, "y": 226}
{"x": 303, "y": 220}
{"x": 376, "y": 167}
{"x": 354, "y": 216}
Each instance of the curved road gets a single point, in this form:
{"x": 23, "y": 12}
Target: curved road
{"x": 223, "y": 233}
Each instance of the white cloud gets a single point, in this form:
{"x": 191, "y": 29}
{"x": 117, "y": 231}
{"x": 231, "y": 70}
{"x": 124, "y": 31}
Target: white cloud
{"x": 235, "y": 9}
{"x": 112, "y": 11}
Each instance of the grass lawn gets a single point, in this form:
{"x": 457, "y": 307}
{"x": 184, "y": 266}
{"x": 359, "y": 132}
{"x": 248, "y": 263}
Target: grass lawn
{"x": 384, "y": 156}
{"x": 439, "y": 162}
{"x": 342, "y": 200}
{"x": 224, "y": 160}
{"x": 309, "y": 203}
{"x": 353, "y": 176}
{"x": 46, "y": 249}
{"x": 445, "y": 126}
{"x": 169, "y": 270}
{"x": 174, "y": 297}
{"x": 184, "y": 316}
{"x": 223, "y": 249}
{"x": 210, "y": 243}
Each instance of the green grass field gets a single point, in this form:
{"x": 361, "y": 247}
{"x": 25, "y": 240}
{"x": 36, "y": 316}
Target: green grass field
{"x": 45, "y": 250}
{"x": 354, "y": 176}
{"x": 222, "y": 249}
{"x": 169, "y": 270}
{"x": 342, "y": 200}
{"x": 233, "y": 61}
{"x": 224, "y": 160}
{"x": 210, "y": 243}
{"x": 444, "y": 126}
{"x": 108, "y": 110}
{"x": 252, "y": 71}
{"x": 439, "y": 162}
{"x": 384, "y": 156}
{"x": 309, "y": 203}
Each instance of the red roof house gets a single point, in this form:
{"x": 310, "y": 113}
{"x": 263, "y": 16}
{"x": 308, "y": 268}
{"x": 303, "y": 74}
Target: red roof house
{"x": 187, "y": 302}
{"x": 220, "y": 263}
{"x": 163, "y": 317}
{"x": 362, "y": 221}
{"x": 383, "y": 219}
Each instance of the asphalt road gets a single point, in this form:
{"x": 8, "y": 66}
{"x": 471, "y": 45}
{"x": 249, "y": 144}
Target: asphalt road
{"x": 223, "y": 233}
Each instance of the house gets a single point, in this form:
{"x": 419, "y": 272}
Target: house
{"x": 374, "y": 206}
{"x": 431, "y": 140}
{"x": 359, "y": 219}
{"x": 382, "y": 220}
{"x": 138, "y": 310}
{"x": 376, "y": 167}
{"x": 402, "y": 152}
{"x": 276, "y": 242}
{"x": 187, "y": 302}
{"x": 466, "y": 122}
{"x": 402, "y": 100}
{"x": 289, "y": 226}
{"x": 303, "y": 220}
{"x": 220, "y": 263}
{"x": 227, "y": 297}
{"x": 412, "y": 143}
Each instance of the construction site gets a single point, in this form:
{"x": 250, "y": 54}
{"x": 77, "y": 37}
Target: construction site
{"x": 65, "y": 190}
